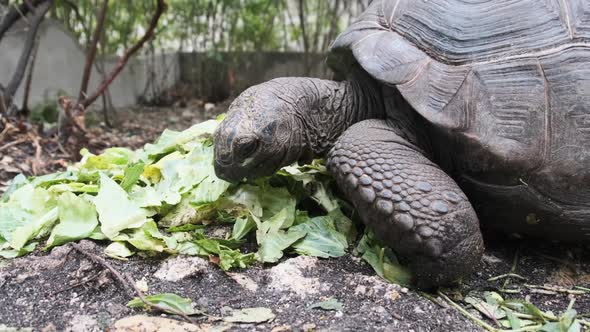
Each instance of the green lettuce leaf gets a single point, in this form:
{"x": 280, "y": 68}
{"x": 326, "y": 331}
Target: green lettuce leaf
{"x": 118, "y": 250}
{"x": 383, "y": 261}
{"x": 77, "y": 220}
{"x": 322, "y": 239}
{"x": 172, "y": 302}
{"x": 116, "y": 212}
{"x": 131, "y": 175}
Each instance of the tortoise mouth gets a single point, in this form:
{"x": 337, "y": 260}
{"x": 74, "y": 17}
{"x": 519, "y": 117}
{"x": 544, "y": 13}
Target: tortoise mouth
{"x": 233, "y": 174}
{"x": 228, "y": 170}
{"x": 225, "y": 172}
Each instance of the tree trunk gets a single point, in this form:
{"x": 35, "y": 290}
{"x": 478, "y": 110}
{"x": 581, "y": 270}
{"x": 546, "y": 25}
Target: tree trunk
{"x": 29, "y": 80}
{"x": 10, "y": 90}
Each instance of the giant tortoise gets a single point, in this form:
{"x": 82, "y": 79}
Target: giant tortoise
{"x": 442, "y": 111}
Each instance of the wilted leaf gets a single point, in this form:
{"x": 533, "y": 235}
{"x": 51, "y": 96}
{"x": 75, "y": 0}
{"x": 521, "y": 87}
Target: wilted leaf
{"x": 515, "y": 322}
{"x": 147, "y": 238}
{"x": 330, "y": 304}
{"x": 492, "y": 311}
{"x": 171, "y": 140}
{"x": 131, "y": 175}
{"x": 169, "y": 301}
{"x": 375, "y": 254}
{"x": 242, "y": 227}
{"x": 18, "y": 181}
{"x": 12, "y": 253}
{"x": 118, "y": 250}
{"x": 525, "y": 308}
{"x": 272, "y": 244}
{"x": 77, "y": 220}
{"x": 321, "y": 239}
{"x": 113, "y": 160}
{"x": 116, "y": 211}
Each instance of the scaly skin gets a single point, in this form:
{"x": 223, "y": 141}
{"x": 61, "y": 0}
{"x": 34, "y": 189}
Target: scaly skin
{"x": 409, "y": 202}
{"x": 412, "y": 205}
{"x": 284, "y": 120}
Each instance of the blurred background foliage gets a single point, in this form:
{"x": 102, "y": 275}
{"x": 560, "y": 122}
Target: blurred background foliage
{"x": 214, "y": 25}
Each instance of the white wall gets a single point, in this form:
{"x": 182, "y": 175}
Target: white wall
{"x": 60, "y": 62}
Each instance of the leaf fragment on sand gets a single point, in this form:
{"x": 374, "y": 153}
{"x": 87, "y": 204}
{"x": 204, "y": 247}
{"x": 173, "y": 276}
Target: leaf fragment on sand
{"x": 249, "y": 315}
{"x": 490, "y": 310}
{"x": 330, "y": 304}
{"x": 172, "y": 302}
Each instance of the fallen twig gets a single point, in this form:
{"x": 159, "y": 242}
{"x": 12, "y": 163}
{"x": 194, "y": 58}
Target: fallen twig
{"x": 78, "y": 284}
{"x": 512, "y": 268}
{"x": 13, "y": 143}
{"x": 510, "y": 291}
{"x": 127, "y": 281}
{"x": 507, "y": 275}
{"x": 37, "y": 163}
{"x": 556, "y": 289}
{"x": 8, "y": 127}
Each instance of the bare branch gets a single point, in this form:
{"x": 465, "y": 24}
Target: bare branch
{"x": 16, "y": 13}
{"x": 302, "y": 22}
{"x": 29, "y": 79}
{"x": 91, "y": 52}
{"x": 160, "y": 8}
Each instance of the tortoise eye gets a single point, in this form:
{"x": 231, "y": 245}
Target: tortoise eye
{"x": 247, "y": 146}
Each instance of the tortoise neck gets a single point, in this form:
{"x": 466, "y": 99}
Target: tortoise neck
{"x": 325, "y": 109}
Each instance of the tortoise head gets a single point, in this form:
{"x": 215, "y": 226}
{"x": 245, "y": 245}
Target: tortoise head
{"x": 259, "y": 135}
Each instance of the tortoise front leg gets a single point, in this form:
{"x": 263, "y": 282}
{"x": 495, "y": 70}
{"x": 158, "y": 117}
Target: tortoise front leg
{"x": 408, "y": 201}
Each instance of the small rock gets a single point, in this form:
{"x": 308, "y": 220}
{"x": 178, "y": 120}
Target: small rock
{"x": 219, "y": 233}
{"x": 83, "y": 323}
{"x": 209, "y": 106}
{"x": 308, "y": 327}
{"x": 360, "y": 290}
{"x": 181, "y": 267}
{"x": 115, "y": 309}
{"x": 392, "y": 295}
{"x": 491, "y": 259}
{"x": 187, "y": 113}
{"x": 244, "y": 281}
{"x": 288, "y": 276}
{"x": 152, "y": 324}
{"x": 142, "y": 285}
{"x": 47, "y": 328}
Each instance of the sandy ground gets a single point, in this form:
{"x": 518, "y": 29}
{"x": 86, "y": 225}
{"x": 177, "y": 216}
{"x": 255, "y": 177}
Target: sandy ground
{"x": 64, "y": 290}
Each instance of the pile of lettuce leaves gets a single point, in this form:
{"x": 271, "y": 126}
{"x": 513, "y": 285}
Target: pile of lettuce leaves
{"x": 166, "y": 199}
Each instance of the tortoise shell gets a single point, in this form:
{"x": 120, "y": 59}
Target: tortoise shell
{"x": 508, "y": 81}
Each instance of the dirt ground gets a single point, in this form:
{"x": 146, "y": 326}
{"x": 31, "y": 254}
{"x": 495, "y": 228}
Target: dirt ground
{"x": 64, "y": 290}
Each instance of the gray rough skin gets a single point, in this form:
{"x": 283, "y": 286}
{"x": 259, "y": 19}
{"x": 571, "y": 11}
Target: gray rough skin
{"x": 439, "y": 101}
